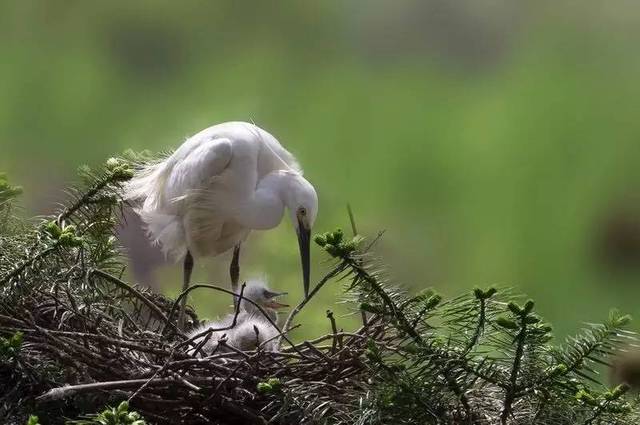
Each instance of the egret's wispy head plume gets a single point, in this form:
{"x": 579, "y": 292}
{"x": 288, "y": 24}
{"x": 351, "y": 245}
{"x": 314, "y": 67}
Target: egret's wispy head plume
{"x": 273, "y": 153}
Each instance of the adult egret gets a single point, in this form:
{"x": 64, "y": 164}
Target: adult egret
{"x": 223, "y": 182}
{"x": 252, "y": 329}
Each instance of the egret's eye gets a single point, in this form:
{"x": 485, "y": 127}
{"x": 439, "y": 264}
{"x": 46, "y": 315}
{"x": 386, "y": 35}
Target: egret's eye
{"x": 302, "y": 211}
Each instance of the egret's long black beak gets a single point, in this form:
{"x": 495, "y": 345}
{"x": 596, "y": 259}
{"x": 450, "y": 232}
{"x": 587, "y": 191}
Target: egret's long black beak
{"x": 304, "y": 241}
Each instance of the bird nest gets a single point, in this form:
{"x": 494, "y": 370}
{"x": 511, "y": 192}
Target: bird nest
{"x": 75, "y": 337}
{"x": 109, "y": 340}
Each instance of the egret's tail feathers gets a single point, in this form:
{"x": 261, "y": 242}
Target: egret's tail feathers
{"x": 165, "y": 230}
{"x": 147, "y": 186}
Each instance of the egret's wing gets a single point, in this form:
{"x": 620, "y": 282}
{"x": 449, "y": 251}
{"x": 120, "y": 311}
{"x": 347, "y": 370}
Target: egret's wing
{"x": 159, "y": 187}
{"x": 196, "y": 169}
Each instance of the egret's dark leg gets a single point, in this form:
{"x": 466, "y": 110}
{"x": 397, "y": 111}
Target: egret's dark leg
{"x": 187, "y": 269}
{"x": 234, "y": 270}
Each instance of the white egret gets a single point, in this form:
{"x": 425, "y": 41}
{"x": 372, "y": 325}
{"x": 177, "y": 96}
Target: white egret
{"x": 219, "y": 185}
{"x": 252, "y": 329}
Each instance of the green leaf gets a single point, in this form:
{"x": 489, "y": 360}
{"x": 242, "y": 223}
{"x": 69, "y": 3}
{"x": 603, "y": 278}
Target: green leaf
{"x": 123, "y": 407}
{"x": 122, "y": 173}
{"x": 33, "y": 420}
{"x": 478, "y": 293}
{"x": 507, "y": 323}
{"x": 112, "y": 163}
{"x": 484, "y": 295}
{"x": 275, "y": 383}
{"x": 620, "y": 390}
{"x": 617, "y": 320}
{"x": 16, "y": 340}
{"x": 515, "y": 308}
{"x": 490, "y": 292}
{"x": 560, "y": 369}
{"x": 532, "y": 319}
{"x": 528, "y": 307}
{"x": 584, "y": 397}
{"x": 264, "y": 388}
{"x": 321, "y": 240}
{"x": 52, "y": 229}
{"x": 432, "y": 301}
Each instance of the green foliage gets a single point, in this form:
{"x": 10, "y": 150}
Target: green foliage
{"x": 113, "y": 416}
{"x": 335, "y": 245}
{"x": 275, "y": 383}
{"x": 59, "y": 256}
{"x": 33, "y": 420}
{"x": 10, "y": 347}
{"x": 84, "y": 226}
{"x": 62, "y": 237}
{"x": 270, "y": 386}
{"x": 7, "y": 191}
{"x": 482, "y": 355}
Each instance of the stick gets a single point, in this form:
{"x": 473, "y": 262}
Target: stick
{"x": 135, "y": 292}
{"x": 61, "y": 393}
{"x": 334, "y": 329}
{"x": 211, "y": 330}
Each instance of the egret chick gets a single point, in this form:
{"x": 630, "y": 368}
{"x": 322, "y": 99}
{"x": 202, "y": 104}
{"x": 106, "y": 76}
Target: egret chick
{"x": 222, "y": 183}
{"x": 252, "y": 328}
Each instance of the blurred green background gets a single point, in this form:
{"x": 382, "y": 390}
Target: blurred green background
{"x": 496, "y": 142}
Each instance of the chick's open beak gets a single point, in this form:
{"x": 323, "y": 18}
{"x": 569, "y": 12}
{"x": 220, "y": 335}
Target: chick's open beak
{"x": 304, "y": 242}
{"x": 275, "y": 304}
{"x": 272, "y": 302}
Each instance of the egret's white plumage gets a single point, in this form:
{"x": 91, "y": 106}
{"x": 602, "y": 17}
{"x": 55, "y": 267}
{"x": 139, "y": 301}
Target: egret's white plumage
{"x": 200, "y": 197}
{"x": 252, "y": 328}
{"x": 219, "y": 185}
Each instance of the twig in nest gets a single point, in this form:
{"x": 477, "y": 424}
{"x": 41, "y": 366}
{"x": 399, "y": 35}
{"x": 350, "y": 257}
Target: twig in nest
{"x": 334, "y": 329}
{"x": 209, "y": 331}
{"x": 61, "y": 393}
{"x": 135, "y": 293}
